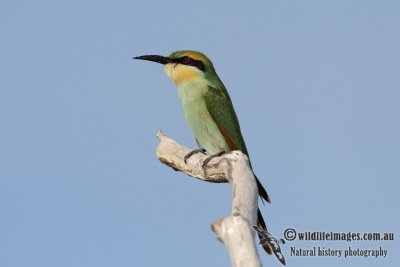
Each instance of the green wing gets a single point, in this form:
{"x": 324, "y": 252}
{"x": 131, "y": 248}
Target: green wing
{"x": 220, "y": 107}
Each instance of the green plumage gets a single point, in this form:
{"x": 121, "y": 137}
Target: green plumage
{"x": 206, "y": 106}
{"x": 208, "y": 109}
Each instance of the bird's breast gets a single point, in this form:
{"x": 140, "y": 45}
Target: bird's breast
{"x": 203, "y": 126}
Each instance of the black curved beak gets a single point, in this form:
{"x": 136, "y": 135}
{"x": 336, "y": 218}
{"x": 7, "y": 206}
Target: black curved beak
{"x": 155, "y": 58}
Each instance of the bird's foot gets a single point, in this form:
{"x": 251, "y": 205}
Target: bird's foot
{"x": 207, "y": 160}
{"x": 191, "y": 153}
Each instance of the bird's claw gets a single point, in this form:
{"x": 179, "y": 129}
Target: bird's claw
{"x": 191, "y": 153}
{"x": 207, "y": 160}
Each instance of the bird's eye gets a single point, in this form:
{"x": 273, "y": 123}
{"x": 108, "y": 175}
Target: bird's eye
{"x": 185, "y": 60}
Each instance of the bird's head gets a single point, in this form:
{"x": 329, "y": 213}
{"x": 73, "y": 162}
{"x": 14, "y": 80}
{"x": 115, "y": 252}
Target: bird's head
{"x": 184, "y": 66}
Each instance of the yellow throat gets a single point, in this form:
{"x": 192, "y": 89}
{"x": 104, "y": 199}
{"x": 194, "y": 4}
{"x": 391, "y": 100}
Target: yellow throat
{"x": 180, "y": 74}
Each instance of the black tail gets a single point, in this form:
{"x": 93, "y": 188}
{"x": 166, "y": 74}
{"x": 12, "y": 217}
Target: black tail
{"x": 260, "y": 220}
{"x": 261, "y": 223}
{"x": 261, "y": 191}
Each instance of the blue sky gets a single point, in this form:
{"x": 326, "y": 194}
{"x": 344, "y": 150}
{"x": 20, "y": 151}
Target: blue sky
{"x": 315, "y": 85}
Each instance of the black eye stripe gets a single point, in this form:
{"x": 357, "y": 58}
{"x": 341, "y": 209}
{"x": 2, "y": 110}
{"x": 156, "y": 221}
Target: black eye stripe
{"x": 192, "y": 62}
{"x": 185, "y": 60}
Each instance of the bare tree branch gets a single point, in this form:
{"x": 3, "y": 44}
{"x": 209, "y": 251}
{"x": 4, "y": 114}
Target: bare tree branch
{"x": 235, "y": 231}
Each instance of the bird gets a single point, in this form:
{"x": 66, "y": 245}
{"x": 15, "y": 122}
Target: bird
{"x": 208, "y": 109}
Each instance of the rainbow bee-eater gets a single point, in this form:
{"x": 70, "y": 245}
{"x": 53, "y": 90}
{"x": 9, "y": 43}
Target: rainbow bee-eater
{"x": 207, "y": 107}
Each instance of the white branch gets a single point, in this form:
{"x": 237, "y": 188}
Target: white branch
{"x": 234, "y": 231}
